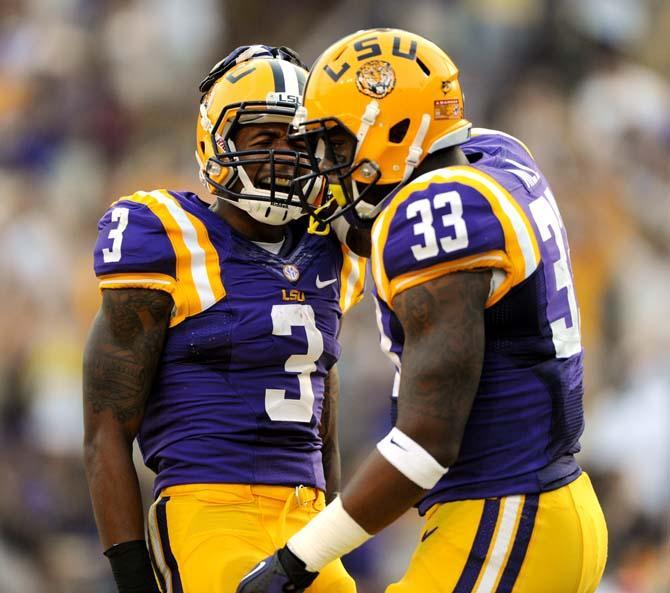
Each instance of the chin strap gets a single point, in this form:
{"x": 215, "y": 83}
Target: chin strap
{"x": 370, "y": 115}
{"x": 205, "y": 122}
{"x": 415, "y": 150}
{"x": 299, "y": 119}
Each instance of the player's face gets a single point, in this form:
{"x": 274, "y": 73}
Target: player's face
{"x": 332, "y": 148}
{"x": 339, "y": 147}
{"x": 270, "y": 136}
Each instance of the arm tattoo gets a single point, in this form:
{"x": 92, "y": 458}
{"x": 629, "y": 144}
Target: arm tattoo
{"x": 443, "y": 322}
{"x": 123, "y": 351}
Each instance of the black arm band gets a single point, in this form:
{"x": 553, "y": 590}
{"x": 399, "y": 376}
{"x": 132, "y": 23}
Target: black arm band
{"x": 131, "y": 566}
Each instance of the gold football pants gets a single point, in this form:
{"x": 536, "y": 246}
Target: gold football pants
{"x": 554, "y": 542}
{"x": 205, "y": 537}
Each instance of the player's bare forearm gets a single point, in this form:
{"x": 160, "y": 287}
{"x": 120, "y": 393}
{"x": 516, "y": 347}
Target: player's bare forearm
{"x": 328, "y": 430}
{"x": 378, "y": 494}
{"x": 443, "y": 322}
{"x": 120, "y": 359}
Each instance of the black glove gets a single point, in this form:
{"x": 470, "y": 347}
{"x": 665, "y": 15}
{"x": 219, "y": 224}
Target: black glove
{"x": 283, "y": 572}
{"x": 132, "y": 567}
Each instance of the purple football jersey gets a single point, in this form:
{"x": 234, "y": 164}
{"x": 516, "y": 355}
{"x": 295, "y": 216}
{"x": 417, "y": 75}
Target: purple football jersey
{"x": 497, "y": 213}
{"x": 238, "y": 394}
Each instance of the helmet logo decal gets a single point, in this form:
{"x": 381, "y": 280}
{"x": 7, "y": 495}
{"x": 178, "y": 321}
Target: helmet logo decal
{"x": 232, "y": 78}
{"x": 375, "y": 78}
{"x": 291, "y": 272}
{"x": 448, "y": 109}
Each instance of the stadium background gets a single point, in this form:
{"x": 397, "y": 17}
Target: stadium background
{"x": 98, "y": 98}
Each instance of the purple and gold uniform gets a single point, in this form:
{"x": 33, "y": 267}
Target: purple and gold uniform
{"x": 515, "y": 485}
{"x": 234, "y": 411}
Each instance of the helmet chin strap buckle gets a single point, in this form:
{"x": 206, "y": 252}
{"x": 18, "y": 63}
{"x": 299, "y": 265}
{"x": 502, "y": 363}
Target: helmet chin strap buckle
{"x": 368, "y": 119}
{"x": 416, "y": 148}
{"x": 299, "y": 119}
{"x": 205, "y": 122}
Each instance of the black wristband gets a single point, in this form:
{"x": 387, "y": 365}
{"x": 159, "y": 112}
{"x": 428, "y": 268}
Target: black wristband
{"x": 295, "y": 568}
{"x": 131, "y": 566}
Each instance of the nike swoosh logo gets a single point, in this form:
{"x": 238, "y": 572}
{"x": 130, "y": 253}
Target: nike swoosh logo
{"x": 323, "y": 283}
{"x": 255, "y": 570}
{"x": 397, "y": 444}
{"x": 427, "y": 534}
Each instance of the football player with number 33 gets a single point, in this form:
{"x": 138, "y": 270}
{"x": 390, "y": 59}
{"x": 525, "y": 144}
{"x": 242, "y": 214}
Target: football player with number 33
{"x": 477, "y": 311}
{"x": 216, "y": 345}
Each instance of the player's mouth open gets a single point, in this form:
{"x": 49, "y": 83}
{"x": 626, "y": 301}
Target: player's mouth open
{"x": 266, "y": 182}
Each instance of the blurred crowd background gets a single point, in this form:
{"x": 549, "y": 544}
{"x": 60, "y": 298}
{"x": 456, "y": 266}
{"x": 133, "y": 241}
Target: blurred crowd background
{"x": 98, "y": 98}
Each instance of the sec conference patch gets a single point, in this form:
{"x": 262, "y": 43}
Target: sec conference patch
{"x": 291, "y": 272}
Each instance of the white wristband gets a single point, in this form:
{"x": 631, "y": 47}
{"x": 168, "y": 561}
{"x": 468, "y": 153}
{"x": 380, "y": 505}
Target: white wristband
{"x": 411, "y": 459}
{"x": 331, "y": 534}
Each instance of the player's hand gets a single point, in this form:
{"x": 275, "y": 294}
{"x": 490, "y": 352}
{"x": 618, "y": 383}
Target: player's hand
{"x": 283, "y": 572}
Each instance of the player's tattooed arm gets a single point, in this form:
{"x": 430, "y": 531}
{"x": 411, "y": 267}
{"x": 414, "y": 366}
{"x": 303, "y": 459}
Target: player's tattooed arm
{"x": 328, "y": 430}
{"x": 122, "y": 353}
{"x": 120, "y": 359}
{"x": 443, "y": 351}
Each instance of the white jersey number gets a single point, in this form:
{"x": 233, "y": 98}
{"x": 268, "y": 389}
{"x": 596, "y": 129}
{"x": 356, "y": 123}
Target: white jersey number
{"x": 119, "y": 214}
{"x": 425, "y": 228}
{"x": 566, "y": 339}
{"x": 277, "y": 406}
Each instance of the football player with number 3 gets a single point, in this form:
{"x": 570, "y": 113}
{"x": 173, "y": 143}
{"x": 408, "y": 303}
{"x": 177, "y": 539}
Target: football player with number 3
{"x": 477, "y": 311}
{"x": 215, "y": 345}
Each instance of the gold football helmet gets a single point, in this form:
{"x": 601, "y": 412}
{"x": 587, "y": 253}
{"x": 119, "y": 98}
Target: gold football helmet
{"x": 254, "y": 91}
{"x": 376, "y": 104}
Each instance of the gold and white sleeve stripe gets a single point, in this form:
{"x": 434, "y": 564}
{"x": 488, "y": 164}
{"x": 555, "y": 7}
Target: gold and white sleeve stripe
{"x": 198, "y": 283}
{"x": 352, "y": 279}
{"x": 518, "y": 261}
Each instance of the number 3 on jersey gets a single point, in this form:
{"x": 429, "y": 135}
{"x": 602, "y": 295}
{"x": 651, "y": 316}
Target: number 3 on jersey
{"x": 277, "y": 405}
{"x": 425, "y": 228}
{"x": 119, "y": 214}
{"x": 566, "y": 338}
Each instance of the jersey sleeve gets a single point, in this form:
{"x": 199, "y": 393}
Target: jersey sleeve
{"x": 457, "y": 219}
{"x": 133, "y": 249}
{"x": 149, "y": 240}
{"x": 352, "y": 279}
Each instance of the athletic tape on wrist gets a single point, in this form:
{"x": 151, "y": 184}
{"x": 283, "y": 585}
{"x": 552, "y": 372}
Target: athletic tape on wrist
{"x": 411, "y": 459}
{"x": 331, "y": 534}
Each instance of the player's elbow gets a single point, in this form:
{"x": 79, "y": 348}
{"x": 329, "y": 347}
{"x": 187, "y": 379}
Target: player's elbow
{"x": 445, "y": 453}
{"x": 440, "y": 442}
{"x": 102, "y": 442}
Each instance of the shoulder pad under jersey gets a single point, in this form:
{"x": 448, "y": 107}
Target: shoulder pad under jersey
{"x": 148, "y": 240}
{"x": 448, "y": 220}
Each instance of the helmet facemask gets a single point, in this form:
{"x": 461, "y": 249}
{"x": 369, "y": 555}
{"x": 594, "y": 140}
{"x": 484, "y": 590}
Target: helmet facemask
{"x": 272, "y": 196}
{"x": 332, "y": 149}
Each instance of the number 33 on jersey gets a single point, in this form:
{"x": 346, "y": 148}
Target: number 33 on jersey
{"x": 467, "y": 218}
{"x": 498, "y": 213}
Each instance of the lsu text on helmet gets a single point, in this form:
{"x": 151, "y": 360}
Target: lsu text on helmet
{"x": 376, "y": 104}
{"x": 260, "y": 90}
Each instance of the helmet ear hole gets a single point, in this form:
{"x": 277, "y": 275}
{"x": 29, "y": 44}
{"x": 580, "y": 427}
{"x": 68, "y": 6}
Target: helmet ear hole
{"x": 398, "y": 131}
{"x": 202, "y": 147}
